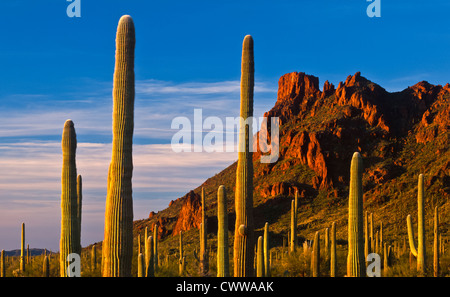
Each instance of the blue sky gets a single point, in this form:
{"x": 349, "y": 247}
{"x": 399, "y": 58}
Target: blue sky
{"x": 187, "y": 56}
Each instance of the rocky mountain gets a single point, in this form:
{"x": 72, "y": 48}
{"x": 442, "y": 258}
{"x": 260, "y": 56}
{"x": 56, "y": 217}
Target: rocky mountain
{"x": 399, "y": 136}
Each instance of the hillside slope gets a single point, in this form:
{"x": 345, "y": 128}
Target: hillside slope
{"x": 399, "y": 136}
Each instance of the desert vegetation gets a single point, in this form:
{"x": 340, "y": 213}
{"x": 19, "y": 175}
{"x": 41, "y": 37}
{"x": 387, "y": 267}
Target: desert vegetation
{"x": 284, "y": 233}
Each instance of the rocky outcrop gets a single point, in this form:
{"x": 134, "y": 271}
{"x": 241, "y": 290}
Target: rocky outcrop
{"x": 190, "y": 213}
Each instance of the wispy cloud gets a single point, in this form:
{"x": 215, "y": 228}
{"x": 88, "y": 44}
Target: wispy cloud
{"x": 30, "y": 152}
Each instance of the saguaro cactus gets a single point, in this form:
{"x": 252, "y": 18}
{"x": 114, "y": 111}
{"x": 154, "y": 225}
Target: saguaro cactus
{"x": 316, "y": 259}
{"x": 181, "y": 261}
{"x": 333, "y": 267}
{"x": 150, "y": 265}
{"x": 355, "y": 259}
{"x": 2, "y": 264}
{"x": 266, "y": 251}
{"x": 94, "y": 257}
{"x": 141, "y": 265}
{"x": 223, "y": 269}
{"x": 419, "y": 252}
{"x": 155, "y": 246}
{"x": 79, "y": 207}
{"x": 260, "y": 258}
{"x": 293, "y": 228}
{"x": 22, "y": 249}
{"x": 244, "y": 233}
{"x": 118, "y": 238}
{"x": 436, "y": 267}
{"x": 70, "y": 240}
{"x": 203, "y": 238}
{"x": 46, "y": 267}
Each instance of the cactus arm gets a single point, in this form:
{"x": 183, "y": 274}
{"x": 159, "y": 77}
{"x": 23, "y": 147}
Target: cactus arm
{"x": 412, "y": 245}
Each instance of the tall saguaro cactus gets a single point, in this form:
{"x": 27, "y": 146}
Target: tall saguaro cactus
{"x": 316, "y": 253}
{"x": 70, "y": 239}
{"x": 2, "y": 264}
{"x": 223, "y": 269}
{"x": 420, "y": 251}
{"x": 293, "y": 233}
{"x": 155, "y": 246}
{"x": 118, "y": 238}
{"x": 22, "y": 248}
{"x": 355, "y": 258}
{"x": 203, "y": 238}
{"x": 266, "y": 251}
{"x": 244, "y": 234}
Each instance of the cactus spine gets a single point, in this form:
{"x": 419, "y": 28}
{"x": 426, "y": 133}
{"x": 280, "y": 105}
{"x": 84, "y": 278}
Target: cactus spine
{"x": 203, "y": 238}
{"x": 266, "y": 251}
{"x": 70, "y": 240}
{"x": 244, "y": 233}
{"x": 223, "y": 269}
{"x": 118, "y": 239}
{"x": 355, "y": 258}
{"x": 436, "y": 243}
{"x": 333, "y": 267}
{"x": 22, "y": 249}
{"x": 420, "y": 251}
{"x": 260, "y": 258}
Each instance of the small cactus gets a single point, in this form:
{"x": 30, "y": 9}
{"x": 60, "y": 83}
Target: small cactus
{"x": 22, "y": 249}
{"x": 316, "y": 258}
{"x": 46, "y": 267}
{"x": 150, "y": 265}
{"x": 223, "y": 269}
{"x": 436, "y": 267}
{"x": 141, "y": 265}
{"x": 333, "y": 265}
{"x": 260, "y": 258}
{"x": 266, "y": 251}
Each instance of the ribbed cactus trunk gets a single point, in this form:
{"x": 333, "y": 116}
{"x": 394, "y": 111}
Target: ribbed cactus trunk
{"x": 244, "y": 234}
{"x": 333, "y": 266}
{"x": 223, "y": 269}
{"x": 355, "y": 259}
{"x": 118, "y": 238}
{"x": 70, "y": 240}
{"x": 420, "y": 251}
{"x": 203, "y": 238}
{"x": 436, "y": 253}
{"x": 46, "y": 267}
{"x": 22, "y": 249}
{"x": 266, "y": 251}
